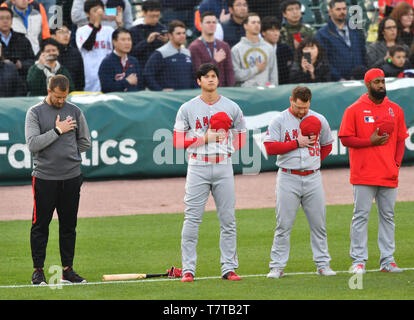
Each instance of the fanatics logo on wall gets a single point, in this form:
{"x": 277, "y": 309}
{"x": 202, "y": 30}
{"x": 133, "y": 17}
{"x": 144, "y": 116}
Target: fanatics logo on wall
{"x": 369, "y": 119}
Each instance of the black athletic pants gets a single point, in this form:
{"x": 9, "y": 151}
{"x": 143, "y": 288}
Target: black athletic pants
{"x": 62, "y": 195}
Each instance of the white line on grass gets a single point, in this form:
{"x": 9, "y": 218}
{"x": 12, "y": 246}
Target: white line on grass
{"x": 53, "y": 286}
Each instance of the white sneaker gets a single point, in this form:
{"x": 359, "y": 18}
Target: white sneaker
{"x": 275, "y": 273}
{"x": 326, "y": 271}
{"x": 358, "y": 268}
{"x": 391, "y": 267}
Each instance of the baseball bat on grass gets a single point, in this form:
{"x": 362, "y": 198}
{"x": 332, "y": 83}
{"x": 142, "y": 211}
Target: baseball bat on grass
{"x": 171, "y": 273}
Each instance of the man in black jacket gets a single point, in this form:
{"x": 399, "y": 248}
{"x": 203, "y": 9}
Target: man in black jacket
{"x": 69, "y": 56}
{"x": 16, "y": 47}
{"x": 11, "y": 84}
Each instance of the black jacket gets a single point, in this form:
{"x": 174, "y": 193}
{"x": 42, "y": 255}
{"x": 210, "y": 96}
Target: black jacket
{"x": 322, "y": 73}
{"x": 11, "y": 83}
{"x": 284, "y": 55}
{"x": 391, "y": 70}
{"x": 71, "y": 59}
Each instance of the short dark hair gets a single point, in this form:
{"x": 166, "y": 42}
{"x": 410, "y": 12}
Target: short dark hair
{"x": 151, "y": 5}
{"x": 89, "y": 4}
{"x": 302, "y": 93}
{"x": 64, "y": 24}
{"x": 175, "y": 24}
{"x": 118, "y": 31}
{"x": 397, "y": 48}
{"x": 59, "y": 81}
{"x": 287, "y": 3}
{"x": 309, "y": 42}
{"x": 230, "y": 3}
{"x": 47, "y": 42}
{"x": 270, "y": 22}
{"x": 206, "y": 68}
{"x": 250, "y": 14}
{"x": 207, "y": 14}
{"x": 8, "y": 10}
{"x": 332, "y": 3}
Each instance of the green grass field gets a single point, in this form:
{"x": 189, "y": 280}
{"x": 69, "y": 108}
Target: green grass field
{"x": 151, "y": 244}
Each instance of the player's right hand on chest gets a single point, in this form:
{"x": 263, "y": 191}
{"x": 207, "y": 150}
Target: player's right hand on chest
{"x": 214, "y": 136}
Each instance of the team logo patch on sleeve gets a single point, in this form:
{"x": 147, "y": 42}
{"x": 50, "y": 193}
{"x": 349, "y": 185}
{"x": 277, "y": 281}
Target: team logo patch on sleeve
{"x": 369, "y": 119}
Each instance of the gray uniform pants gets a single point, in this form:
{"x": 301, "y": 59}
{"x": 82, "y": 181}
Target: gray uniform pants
{"x": 201, "y": 179}
{"x": 385, "y": 198}
{"x": 291, "y": 192}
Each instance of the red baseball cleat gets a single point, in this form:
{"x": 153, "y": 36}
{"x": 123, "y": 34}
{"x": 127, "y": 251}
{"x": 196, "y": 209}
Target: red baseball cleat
{"x": 231, "y": 276}
{"x": 188, "y": 277}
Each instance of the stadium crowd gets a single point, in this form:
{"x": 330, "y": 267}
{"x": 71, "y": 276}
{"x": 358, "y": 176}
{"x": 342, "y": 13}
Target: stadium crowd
{"x": 102, "y": 47}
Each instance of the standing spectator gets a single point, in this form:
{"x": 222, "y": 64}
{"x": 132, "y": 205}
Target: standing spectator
{"x": 46, "y": 67}
{"x": 397, "y": 62}
{"x": 122, "y": 17}
{"x": 316, "y": 69}
{"x": 254, "y": 60}
{"x": 375, "y": 158}
{"x": 119, "y": 71}
{"x": 208, "y": 49}
{"x": 150, "y": 34}
{"x": 30, "y": 19}
{"x": 221, "y": 11}
{"x": 94, "y": 42}
{"x": 378, "y": 51}
{"x": 265, "y": 8}
{"x": 233, "y": 29}
{"x": 69, "y": 56}
{"x": 403, "y": 13}
{"x": 181, "y": 10}
{"x": 169, "y": 67}
{"x": 293, "y": 31}
{"x": 16, "y": 47}
{"x": 271, "y": 33}
{"x": 56, "y": 134}
{"x": 344, "y": 46}
{"x": 11, "y": 83}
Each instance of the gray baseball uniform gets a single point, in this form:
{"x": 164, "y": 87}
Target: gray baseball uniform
{"x": 204, "y": 176}
{"x": 293, "y": 190}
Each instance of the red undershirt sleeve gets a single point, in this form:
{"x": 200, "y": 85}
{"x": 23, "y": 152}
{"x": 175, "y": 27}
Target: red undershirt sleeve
{"x": 275, "y": 148}
{"x": 325, "y": 151}
{"x": 181, "y": 141}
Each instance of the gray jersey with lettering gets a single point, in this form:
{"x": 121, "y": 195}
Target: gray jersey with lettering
{"x": 285, "y": 127}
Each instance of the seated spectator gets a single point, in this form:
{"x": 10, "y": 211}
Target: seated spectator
{"x": 403, "y": 13}
{"x": 11, "y": 83}
{"x": 69, "y": 56}
{"x": 254, "y": 60}
{"x": 120, "y": 17}
{"x": 233, "y": 29}
{"x": 344, "y": 46}
{"x": 293, "y": 31}
{"x": 94, "y": 42}
{"x": 31, "y": 20}
{"x": 169, "y": 67}
{"x": 120, "y": 72}
{"x": 377, "y": 52}
{"x": 16, "y": 47}
{"x": 397, "y": 63}
{"x": 46, "y": 67}
{"x": 150, "y": 34}
{"x": 208, "y": 49}
{"x": 182, "y": 10}
{"x": 310, "y": 65}
{"x": 284, "y": 55}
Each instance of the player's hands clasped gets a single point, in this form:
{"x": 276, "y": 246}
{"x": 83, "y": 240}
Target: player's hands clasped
{"x": 66, "y": 125}
{"x": 377, "y": 140}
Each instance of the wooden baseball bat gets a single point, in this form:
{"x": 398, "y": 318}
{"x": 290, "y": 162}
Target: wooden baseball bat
{"x": 131, "y": 276}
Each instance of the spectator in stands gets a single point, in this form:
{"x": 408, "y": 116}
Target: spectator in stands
{"x": 386, "y": 6}
{"x": 31, "y": 20}
{"x": 16, "y": 47}
{"x": 120, "y": 17}
{"x": 403, "y": 13}
{"x": 208, "y": 49}
{"x": 46, "y": 67}
{"x": 397, "y": 62}
{"x": 254, "y": 60}
{"x": 377, "y": 52}
{"x": 11, "y": 83}
{"x": 233, "y": 29}
{"x": 344, "y": 46}
{"x": 271, "y": 33}
{"x": 265, "y": 8}
{"x": 69, "y": 56}
{"x": 293, "y": 31}
{"x": 94, "y": 42}
{"x": 181, "y": 10}
{"x": 411, "y": 55}
{"x": 170, "y": 67}
{"x": 310, "y": 65}
{"x": 119, "y": 71}
{"x": 150, "y": 34}
{"x": 221, "y": 11}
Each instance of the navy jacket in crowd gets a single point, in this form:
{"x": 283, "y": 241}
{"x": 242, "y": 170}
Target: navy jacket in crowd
{"x": 169, "y": 68}
{"x": 233, "y": 32}
{"x": 112, "y": 74}
{"x": 342, "y": 59}
{"x": 214, "y": 6}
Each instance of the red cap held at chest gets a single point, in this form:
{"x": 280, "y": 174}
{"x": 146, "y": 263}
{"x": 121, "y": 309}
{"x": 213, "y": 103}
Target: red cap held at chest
{"x": 220, "y": 121}
{"x": 310, "y": 126}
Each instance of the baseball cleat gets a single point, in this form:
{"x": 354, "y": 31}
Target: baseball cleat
{"x": 326, "y": 271}
{"x": 231, "y": 276}
{"x": 188, "y": 277}
{"x": 275, "y": 273}
{"x": 358, "y": 268}
{"x": 391, "y": 267}
{"x": 38, "y": 277}
{"x": 70, "y": 276}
